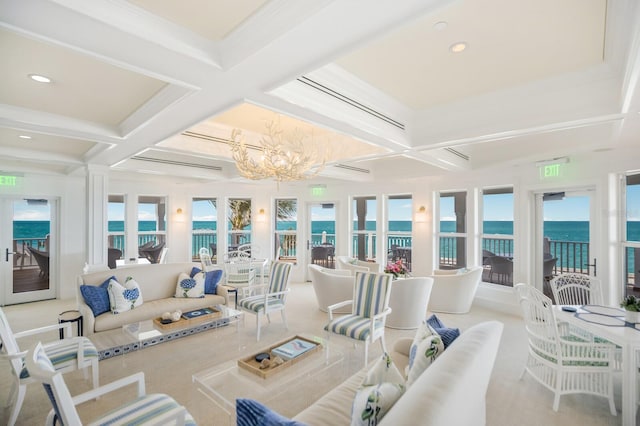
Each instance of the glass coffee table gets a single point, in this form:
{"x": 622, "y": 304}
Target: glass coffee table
{"x": 288, "y": 392}
{"x": 139, "y": 335}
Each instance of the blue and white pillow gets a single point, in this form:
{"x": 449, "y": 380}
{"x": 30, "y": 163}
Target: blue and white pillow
{"x": 211, "y": 281}
{"x": 253, "y": 413}
{"x": 426, "y": 347}
{"x": 97, "y": 296}
{"x": 190, "y": 287}
{"x": 381, "y": 388}
{"x": 448, "y": 334}
{"x": 125, "y": 297}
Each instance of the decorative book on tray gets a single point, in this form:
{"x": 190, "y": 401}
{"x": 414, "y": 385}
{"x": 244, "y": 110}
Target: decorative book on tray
{"x": 293, "y": 349}
{"x": 198, "y": 313}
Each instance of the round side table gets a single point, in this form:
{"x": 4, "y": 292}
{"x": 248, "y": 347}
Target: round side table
{"x": 70, "y": 316}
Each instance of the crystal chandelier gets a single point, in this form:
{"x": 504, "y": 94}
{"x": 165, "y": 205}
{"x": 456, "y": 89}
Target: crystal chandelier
{"x": 282, "y": 158}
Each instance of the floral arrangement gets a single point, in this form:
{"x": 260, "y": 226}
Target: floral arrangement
{"x": 396, "y": 268}
{"x": 631, "y": 303}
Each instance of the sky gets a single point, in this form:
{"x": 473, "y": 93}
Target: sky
{"x": 496, "y": 207}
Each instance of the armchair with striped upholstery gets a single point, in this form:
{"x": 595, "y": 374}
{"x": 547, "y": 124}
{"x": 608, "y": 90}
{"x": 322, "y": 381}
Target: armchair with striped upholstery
{"x": 68, "y": 354}
{"x": 143, "y": 409}
{"x": 274, "y": 297}
{"x": 369, "y": 310}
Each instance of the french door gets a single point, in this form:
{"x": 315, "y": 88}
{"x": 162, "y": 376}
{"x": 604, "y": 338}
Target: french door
{"x": 27, "y": 240}
{"x": 565, "y": 240}
{"x": 321, "y": 234}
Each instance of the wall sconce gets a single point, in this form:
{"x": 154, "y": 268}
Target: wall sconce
{"x": 262, "y": 217}
{"x": 179, "y": 217}
{"x": 421, "y": 214}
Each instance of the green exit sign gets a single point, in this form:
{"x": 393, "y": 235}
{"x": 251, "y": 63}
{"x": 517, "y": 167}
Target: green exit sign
{"x": 550, "y": 171}
{"x": 7, "y": 180}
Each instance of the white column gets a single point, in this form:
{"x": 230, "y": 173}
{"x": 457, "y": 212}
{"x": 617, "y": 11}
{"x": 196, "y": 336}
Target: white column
{"x": 97, "y": 200}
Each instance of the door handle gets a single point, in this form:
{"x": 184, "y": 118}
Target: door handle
{"x": 6, "y": 258}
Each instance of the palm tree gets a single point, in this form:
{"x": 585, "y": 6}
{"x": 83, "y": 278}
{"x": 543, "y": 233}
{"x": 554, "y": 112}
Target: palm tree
{"x": 239, "y": 215}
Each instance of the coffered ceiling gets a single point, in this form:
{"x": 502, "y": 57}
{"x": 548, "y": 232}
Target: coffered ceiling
{"x": 157, "y": 86}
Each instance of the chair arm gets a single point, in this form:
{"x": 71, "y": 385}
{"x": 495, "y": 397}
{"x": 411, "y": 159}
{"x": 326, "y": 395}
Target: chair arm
{"x": 331, "y": 308}
{"x": 66, "y": 325}
{"x": 137, "y": 378}
{"x": 382, "y": 315}
{"x": 20, "y": 354}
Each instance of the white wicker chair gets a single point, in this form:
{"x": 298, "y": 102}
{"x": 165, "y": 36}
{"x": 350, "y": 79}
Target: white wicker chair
{"x": 561, "y": 363}
{"x": 576, "y": 289}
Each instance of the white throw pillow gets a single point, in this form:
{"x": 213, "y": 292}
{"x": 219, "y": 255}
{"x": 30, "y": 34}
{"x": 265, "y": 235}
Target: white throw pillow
{"x": 190, "y": 287}
{"x": 381, "y": 388}
{"x": 384, "y": 370}
{"x": 124, "y": 298}
{"x": 373, "y": 402}
{"x": 426, "y": 347}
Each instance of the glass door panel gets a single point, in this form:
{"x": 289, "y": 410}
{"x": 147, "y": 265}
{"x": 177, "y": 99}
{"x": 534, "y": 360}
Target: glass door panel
{"x": 28, "y": 250}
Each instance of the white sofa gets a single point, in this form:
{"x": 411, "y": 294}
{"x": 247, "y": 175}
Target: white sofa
{"x": 452, "y": 391}
{"x": 454, "y": 290}
{"x": 157, "y": 285}
{"x": 332, "y": 286}
{"x": 408, "y": 302}
{"x": 354, "y": 265}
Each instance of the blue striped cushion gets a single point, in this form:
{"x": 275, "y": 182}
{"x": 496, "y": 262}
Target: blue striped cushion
{"x": 447, "y": 334}
{"x": 353, "y": 326}
{"x": 257, "y": 304}
{"x": 59, "y": 355}
{"x": 142, "y": 411}
{"x": 279, "y": 277}
{"x": 253, "y": 413}
{"x": 370, "y": 293}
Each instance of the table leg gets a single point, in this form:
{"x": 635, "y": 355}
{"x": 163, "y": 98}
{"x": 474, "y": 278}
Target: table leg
{"x": 629, "y": 385}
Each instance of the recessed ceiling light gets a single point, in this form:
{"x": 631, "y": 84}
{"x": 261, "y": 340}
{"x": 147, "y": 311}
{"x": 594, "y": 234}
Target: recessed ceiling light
{"x": 39, "y": 78}
{"x": 439, "y": 26}
{"x": 458, "y": 47}
{"x": 24, "y": 137}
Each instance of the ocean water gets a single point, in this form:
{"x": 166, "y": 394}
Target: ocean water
{"x": 555, "y": 230}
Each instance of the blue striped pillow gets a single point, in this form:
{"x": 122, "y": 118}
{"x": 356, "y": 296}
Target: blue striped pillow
{"x": 97, "y": 297}
{"x": 447, "y": 334}
{"x": 253, "y": 413}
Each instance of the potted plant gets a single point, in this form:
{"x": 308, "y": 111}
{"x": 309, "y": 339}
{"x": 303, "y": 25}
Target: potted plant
{"x": 397, "y": 269}
{"x": 631, "y": 305}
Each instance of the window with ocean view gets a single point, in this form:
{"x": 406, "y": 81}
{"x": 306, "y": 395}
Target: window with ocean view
{"x": 497, "y": 235}
{"x": 363, "y": 241}
{"x": 152, "y": 220}
{"x": 399, "y": 227}
{"x": 286, "y": 226}
{"x": 116, "y": 222}
{"x": 453, "y": 230}
{"x": 632, "y": 243}
{"x": 204, "y": 225}
{"x": 238, "y": 223}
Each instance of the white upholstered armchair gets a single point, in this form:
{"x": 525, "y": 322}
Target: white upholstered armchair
{"x": 355, "y": 265}
{"x": 331, "y": 286}
{"x": 453, "y": 290}
{"x": 408, "y": 302}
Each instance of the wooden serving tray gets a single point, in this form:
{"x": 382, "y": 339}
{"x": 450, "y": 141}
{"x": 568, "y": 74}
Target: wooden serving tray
{"x": 184, "y": 323}
{"x": 250, "y": 364}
